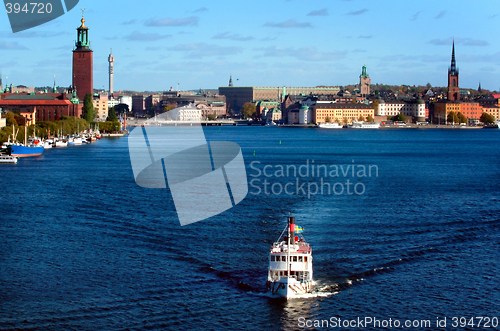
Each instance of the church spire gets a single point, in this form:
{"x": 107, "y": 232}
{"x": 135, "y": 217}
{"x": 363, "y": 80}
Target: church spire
{"x": 453, "y": 67}
{"x": 54, "y": 89}
{"x": 230, "y": 81}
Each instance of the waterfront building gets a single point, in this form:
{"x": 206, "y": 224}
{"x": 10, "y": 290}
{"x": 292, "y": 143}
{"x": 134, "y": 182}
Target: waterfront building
{"x": 100, "y": 103}
{"x": 42, "y": 106}
{"x": 268, "y": 105}
{"x": 83, "y": 63}
{"x": 414, "y": 108}
{"x": 341, "y": 112}
{"x": 188, "y": 113}
{"x": 138, "y": 104}
{"x": 207, "y": 104}
{"x": 493, "y": 110}
{"x": 236, "y": 97}
{"x": 3, "y": 121}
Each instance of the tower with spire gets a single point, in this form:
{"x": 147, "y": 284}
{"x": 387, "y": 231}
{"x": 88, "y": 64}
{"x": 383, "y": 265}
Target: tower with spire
{"x": 364, "y": 82}
{"x": 230, "y": 81}
{"x": 83, "y": 62}
{"x": 111, "y": 60}
{"x": 453, "y": 89}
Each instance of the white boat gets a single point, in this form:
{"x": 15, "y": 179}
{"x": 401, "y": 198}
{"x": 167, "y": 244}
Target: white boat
{"x": 364, "y": 125}
{"x": 333, "y": 125}
{"x": 61, "y": 143}
{"x": 290, "y": 264}
{"x": 8, "y": 159}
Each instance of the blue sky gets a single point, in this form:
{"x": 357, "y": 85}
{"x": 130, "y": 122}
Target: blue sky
{"x": 198, "y": 44}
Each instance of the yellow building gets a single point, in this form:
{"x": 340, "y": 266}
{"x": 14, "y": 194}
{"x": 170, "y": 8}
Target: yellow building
{"x": 492, "y": 110}
{"x": 343, "y": 113}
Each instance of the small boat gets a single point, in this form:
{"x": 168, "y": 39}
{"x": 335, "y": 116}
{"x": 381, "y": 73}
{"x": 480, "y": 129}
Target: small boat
{"x": 61, "y": 143}
{"x": 290, "y": 264}
{"x": 333, "y": 125}
{"x": 8, "y": 159}
{"x": 364, "y": 125}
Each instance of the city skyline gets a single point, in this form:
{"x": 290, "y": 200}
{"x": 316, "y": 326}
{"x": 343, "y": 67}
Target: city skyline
{"x": 196, "y": 45}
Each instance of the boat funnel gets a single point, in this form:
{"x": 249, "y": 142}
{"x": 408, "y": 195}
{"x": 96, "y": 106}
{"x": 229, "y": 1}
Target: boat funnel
{"x": 291, "y": 221}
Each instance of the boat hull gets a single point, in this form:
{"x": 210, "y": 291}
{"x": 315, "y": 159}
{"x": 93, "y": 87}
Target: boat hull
{"x": 289, "y": 288}
{"x": 23, "y": 151}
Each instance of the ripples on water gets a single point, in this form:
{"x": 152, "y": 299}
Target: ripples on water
{"x": 83, "y": 247}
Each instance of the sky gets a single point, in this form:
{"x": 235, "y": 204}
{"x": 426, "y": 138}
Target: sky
{"x": 190, "y": 45}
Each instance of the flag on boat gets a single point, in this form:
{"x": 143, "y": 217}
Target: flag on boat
{"x": 298, "y": 229}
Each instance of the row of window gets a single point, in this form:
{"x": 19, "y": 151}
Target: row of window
{"x": 283, "y": 258}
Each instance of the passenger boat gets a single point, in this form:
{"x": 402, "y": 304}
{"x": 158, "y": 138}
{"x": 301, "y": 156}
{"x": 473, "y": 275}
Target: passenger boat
{"x": 8, "y": 159}
{"x": 364, "y": 125}
{"x": 333, "y": 125}
{"x": 290, "y": 264}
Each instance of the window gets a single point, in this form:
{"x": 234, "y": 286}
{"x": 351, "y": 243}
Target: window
{"x": 294, "y": 259}
{"x": 305, "y": 258}
{"x": 272, "y": 258}
{"x": 300, "y": 258}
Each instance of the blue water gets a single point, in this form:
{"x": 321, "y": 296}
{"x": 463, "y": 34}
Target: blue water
{"x": 82, "y": 247}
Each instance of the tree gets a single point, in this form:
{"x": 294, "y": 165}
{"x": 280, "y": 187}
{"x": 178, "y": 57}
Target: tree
{"x": 88, "y": 108}
{"x": 369, "y": 118}
{"x": 452, "y": 117}
{"x": 487, "y": 118}
{"x": 399, "y": 118}
{"x": 328, "y": 119}
{"x": 168, "y": 108}
{"x": 11, "y": 119}
{"x": 112, "y": 115}
{"x": 248, "y": 110}
{"x": 375, "y": 104}
{"x": 361, "y": 118}
{"x": 461, "y": 117}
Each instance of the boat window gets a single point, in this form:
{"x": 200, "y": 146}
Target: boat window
{"x": 305, "y": 258}
{"x": 294, "y": 259}
{"x": 272, "y": 258}
{"x": 300, "y": 258}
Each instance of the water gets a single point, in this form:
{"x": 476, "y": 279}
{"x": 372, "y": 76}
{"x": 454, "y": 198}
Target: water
{"x": 83, "y": 247}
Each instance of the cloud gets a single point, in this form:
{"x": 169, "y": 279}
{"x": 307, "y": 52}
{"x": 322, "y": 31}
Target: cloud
{"x": 440, "y": 15}
{"x": 415, "y": 16}
{"x": 459, "y": 41}
{"x": 303, "y": 53}
{"x": 187, "y": 21}
{"x": 11, "y": 46}
{"x": 199, "y": 50}
{"x": 201, "y": 10}
{"x": 289, "y": 24}
{"x": 130, "y": 22}
{"x": 357, "y": 12}
{"x": 321, "y": 12}
{"x": 366, "y": 37}
{"x": 229, "y": 36}
{"x": 138, "y": 36}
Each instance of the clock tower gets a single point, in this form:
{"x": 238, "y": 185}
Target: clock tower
{"x": 83, "y": 63}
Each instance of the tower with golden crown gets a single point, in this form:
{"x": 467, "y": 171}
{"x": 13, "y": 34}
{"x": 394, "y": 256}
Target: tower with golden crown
{"x": 83, "y": 63}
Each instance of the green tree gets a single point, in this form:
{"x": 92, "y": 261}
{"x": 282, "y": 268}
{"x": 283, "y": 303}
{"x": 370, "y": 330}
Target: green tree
{"x": 370, "y": 118}
{"x": 452, "y": 117}
{"x": 112, "y": 115}
{"x": 168, "y": 108}
{"x": 399, "y": 118}
{"x": 248, "y": 110}
{"x": 88, "y": 108}
{"x": 211, "y": 117}
{"x": 487, "y": 118}
{"x": 10, "y": 119}
{"x": 461, "y": 117}
{"x": 328, "y": 119}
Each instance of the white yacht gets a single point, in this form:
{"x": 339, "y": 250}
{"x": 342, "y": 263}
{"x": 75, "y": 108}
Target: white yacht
{"x": 364, "y": 125}
{"x": 290, "y": 264}
{"x": 332, "y": 125}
